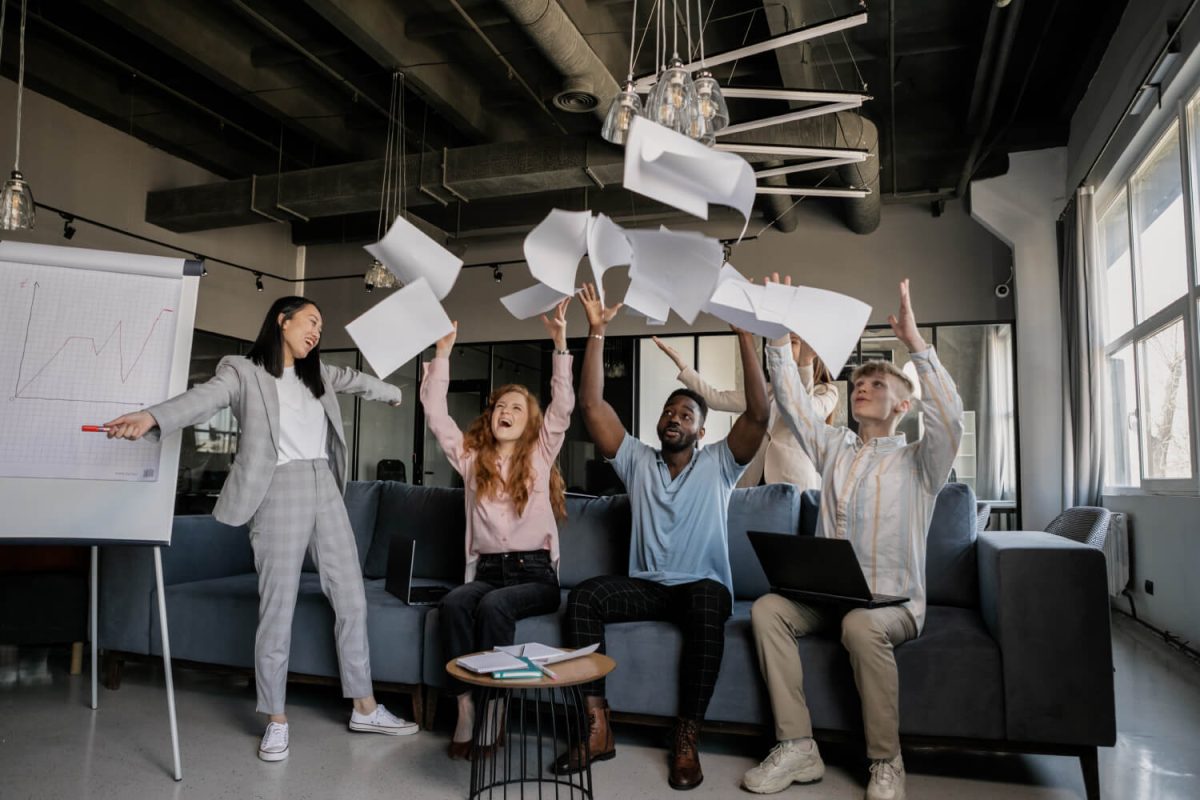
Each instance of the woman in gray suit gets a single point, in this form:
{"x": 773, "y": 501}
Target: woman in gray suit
{"x": 287, "y": 482}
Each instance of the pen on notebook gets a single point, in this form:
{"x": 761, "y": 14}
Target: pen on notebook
{"x": 94, "y": 428}
{"x": 547, "y": 671}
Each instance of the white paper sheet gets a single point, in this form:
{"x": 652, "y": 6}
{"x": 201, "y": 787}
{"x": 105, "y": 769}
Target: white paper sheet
{"x": 830, "y": 322}
{"x": 731, "y": 303}
{"x": 544, "y": 654}
{"x": 554, "y": 247}
{"x": 398, "y": 328}
{"x": 680, "y": 267}
{"x": 673, "y": 169}
{"x": 537, "y": 299}
{"x": 643, "y": 298}
{"x": 410, "y": 255}
{"x": 607, "y": 248}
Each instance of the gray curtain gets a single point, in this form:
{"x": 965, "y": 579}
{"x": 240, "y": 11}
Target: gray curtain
{"x": 1083, "y": 355}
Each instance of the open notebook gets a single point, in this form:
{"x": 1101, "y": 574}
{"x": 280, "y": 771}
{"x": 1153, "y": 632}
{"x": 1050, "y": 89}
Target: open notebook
{"x": 506, "y": 657}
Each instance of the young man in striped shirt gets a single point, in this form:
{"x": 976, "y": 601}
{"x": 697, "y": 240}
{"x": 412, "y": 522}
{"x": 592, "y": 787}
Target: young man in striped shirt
{"x": 878, "y": 491}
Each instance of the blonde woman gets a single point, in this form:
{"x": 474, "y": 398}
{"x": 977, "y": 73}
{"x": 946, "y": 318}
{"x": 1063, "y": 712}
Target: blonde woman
{"x": 779, "y": 459}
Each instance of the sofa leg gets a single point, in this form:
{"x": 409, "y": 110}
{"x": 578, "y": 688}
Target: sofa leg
{"x": 430, "y": 704}
{"x": 112, "y": 671}
{"x": 1090, "y": 763}
{"x": 418, "y": 706}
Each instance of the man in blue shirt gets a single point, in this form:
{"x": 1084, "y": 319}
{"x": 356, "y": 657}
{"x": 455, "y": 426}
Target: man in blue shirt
{"x": 678, "y": 549}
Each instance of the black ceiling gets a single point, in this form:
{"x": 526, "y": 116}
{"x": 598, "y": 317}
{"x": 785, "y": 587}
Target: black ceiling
{"x": 245, "y": 87}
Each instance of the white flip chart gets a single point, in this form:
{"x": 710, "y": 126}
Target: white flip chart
{"x": 399, "y": 327}
{"x": 553, "y": 249}
{"x": 410, "y": 255}
{"x": 673, "y": 169}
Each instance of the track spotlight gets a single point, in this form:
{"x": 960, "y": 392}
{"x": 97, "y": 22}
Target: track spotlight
{"x": 258, "y": 284}
{"x": 370, "y": 287}
{"x": 497, "y": 274}
{"x": 68, "y": 227}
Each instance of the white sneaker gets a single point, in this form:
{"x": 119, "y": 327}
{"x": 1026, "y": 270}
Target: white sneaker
{"x": 887, "y": 780}
{"x": 274, "y": 746}
{"x": 793, "y": 761}
{"x": 382, "y": 721}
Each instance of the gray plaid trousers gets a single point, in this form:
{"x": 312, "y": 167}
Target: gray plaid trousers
{"x": 304, "y": 510}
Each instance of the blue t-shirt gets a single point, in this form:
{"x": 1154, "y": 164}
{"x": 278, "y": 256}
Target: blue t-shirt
{"x": 680, "y": 527}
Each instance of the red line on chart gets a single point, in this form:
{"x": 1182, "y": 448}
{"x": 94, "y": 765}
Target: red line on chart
{"x": 118, "y": 331}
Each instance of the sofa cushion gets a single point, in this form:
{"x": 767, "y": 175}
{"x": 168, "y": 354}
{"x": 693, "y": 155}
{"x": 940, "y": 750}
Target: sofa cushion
{"x": 435, "y": 516}
{"x": 594, "y": 538}
{"x": 951, "y": 574}
{"x": 810, "y": 511}
{"x": 213, "y": 621}
{"x": 774, "y": 508}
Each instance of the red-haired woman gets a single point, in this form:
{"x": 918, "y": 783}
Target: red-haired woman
{"x": 514, "y": 496}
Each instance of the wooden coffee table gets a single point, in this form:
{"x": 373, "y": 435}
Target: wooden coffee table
{"x": 537, "y": 719}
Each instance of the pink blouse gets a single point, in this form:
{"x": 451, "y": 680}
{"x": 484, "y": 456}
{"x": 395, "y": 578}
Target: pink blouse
{"x": 493, "y": 525}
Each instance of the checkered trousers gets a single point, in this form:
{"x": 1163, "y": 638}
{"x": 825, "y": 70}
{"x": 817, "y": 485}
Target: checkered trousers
{"x": 304, "y": 511}
{"x": 699, "y": 608}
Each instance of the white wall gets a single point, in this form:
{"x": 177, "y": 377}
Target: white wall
{"x": 953, "y": 262}
{"x": 78, "y": 164}
{"x": 1021, "y": 208}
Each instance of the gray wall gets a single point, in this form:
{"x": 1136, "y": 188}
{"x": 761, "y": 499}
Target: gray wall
{"x": 953, "y": 263}
{"x": 78, "y": 164}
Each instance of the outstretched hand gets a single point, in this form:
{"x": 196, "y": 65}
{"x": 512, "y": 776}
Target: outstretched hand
{"x": 131, "y": 426}
{"x": 671, "y": 352}
{"x": 597, "y": 315}
{"x": 556, "y": 327}
{"x": 445, "y": 345}
{"x": 905, "y": 325}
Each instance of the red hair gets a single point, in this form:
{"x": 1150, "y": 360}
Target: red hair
{"x": 480, "y": 440}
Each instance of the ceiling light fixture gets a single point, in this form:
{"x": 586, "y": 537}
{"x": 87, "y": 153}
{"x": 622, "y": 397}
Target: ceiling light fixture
{"x": 68, "y": 227}
{"x": 17, "y": 209}
{"x": 258, "y": 284}
{"x": 391, "y": 196}
{"x": 497, "y": 275}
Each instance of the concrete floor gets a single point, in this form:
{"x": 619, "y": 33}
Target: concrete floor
{"x": 53, "y": 746}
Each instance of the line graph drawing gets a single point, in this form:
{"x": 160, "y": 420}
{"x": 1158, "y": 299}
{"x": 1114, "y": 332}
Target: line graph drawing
{"x": 81, "y": 347}
{"x": 20, "y": 391}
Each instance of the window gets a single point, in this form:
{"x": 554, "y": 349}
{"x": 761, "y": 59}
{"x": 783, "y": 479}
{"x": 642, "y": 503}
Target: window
{"x": 1149, "y": 313}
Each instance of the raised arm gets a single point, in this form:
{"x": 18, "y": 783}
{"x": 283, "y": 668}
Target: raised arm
{"x": 717, "y": 399}
{"x": 748, "y": 430}
{"x": 346, "y": 380}
{"x": 824, "y": 396}
{"x": 603, "y": 424}
{"x": 434, "y": 385}
{"x": 940, "y": 403}
{"x": 557, "y": 418}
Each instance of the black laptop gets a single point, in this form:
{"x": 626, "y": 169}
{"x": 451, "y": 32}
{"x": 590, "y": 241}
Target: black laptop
{"x": 816, "y": 568}
{"x": 402, "y": 554}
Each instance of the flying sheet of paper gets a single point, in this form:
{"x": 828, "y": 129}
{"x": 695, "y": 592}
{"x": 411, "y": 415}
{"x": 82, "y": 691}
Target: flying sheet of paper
{"x": 680, "y": 267}
{"x": 673, "y": 169}
{"x": 537, "y": 299}
{"x": 554, "y": 247}
{"x": 830, "y": 322}
{"x": 409, "y": 255}
{"x": 398, "y": 328}
{"x": 607, "y": 248}
{"x": 643, "y": 297}
{"x": 731, "y": 303}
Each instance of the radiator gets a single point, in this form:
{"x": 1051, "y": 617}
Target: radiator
{"x": 1116, "y": 553}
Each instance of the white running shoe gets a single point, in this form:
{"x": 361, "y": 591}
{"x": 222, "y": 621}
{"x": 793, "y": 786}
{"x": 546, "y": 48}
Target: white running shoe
{"x": 382, "y": 721}
{"x": 793, "y": 761}
{"x": 274, "y": 746}
{"x": 887, "y": 780}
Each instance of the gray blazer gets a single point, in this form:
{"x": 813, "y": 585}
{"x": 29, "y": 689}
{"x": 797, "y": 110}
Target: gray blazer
{"x": 251, "y": 392}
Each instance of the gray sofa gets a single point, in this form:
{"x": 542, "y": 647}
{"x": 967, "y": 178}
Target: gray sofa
{"x": 1016, "y": 653}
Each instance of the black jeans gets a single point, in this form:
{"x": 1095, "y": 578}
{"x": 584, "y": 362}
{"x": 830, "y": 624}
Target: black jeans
{"x": 483, "y": 613}
{"x": 699, "y": 609}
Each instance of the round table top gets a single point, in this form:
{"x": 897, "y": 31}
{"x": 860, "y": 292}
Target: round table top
{"x": 577, "y": 670}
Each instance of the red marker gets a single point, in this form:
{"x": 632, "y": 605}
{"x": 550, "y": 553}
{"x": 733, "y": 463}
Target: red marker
{"x": 94, "y": 428}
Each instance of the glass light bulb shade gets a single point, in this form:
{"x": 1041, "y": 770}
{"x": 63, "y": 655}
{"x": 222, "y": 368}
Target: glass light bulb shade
{"x": 710, "y": 103}
{"x": 673, "y": 99}
{"x": 625, "y": 106}
{"x": 379, "y": 276}
{"x": 17, "y": 209}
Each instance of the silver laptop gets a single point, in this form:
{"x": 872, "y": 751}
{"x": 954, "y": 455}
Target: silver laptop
{"x": 816, "y": 568}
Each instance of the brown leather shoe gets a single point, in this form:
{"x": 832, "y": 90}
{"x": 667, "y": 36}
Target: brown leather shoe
{"x": 685, "y": 758}
{"x": 461, "y": 751}
{"x": 600, "y": 743}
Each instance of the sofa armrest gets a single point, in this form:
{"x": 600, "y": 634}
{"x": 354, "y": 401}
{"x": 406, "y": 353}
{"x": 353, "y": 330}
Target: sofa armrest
{"x": 200, "y": 548}
{"x": 1045, "y": 601}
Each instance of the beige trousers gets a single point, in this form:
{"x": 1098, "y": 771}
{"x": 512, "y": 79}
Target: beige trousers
{"x": 869, "y": 635}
